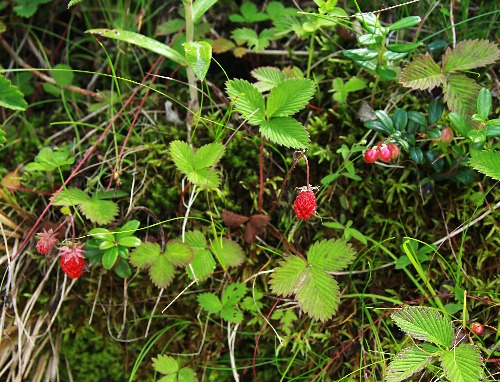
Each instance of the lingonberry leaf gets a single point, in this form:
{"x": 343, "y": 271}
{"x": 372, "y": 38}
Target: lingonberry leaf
{"x": 227, "y": 252}
{"x": 99, "y": 211}
{"x": 288, "y": 97}
{"x": 109, "y": 257}
{"x": 178, "y": 253}
{"x": 484, "y": 100}
{"x": 469, "y": 54}
{"x": 422, "y": 73}
{"x": 247, "y": 100}
{"x": 410, "y": 361}
{"x": 463, "y": 363}
{"x": 285, "y": 131}
{"x": 145, "y": 255}
{"x": 460, "y": 94}
{"x": 128, "y": 229}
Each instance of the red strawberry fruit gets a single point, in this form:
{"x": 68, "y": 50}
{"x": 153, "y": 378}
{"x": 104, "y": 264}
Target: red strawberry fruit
{"x": 72, "y": 262}
{"x": 384, "y": 154}
{"x": 305, "y": 204}
{"x": 47, "y": 240}
{"x": 371, "y": 156}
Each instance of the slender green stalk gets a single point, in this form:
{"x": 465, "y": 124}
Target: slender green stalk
{"x": 193, "y": 90}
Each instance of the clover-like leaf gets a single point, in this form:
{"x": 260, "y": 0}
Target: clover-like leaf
{"x": 486, "y": 162}
{"x": 161, "y": 271}
{"x": 460, "y": 94}
{"x": 145, "y": 255}
{"x": 210, "y": 302}
{"x": 228, "y": 252}
{"x": 285, "y": 131}
{"x": 469, "y": 54}
{"x": 178, "y": 253}
{"x": 71, "y": 197}
{"x": 287, "y": 276}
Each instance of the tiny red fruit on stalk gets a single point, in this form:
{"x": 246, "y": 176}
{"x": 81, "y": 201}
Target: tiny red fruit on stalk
{"x": 47, "y": 240}
{"x": 305, "y": 204}
{"x": 477, "y": 328}
{"x": 395, "y": 150}
{"x": 384, "y": 154}
{"x": 72, "y": 262}
{"x": 371, "y": 156}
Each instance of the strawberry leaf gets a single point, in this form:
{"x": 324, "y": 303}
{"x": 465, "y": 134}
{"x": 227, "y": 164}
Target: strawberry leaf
{"x": 288, "y": 97}
{"x": 145, "y": 255}
{"x": 228, "y": 252}
{"x": 178, "y": 253}
{"x": 183, "y": 156}
{"x": 210, "y": 302}
{"x": 285, "y": 131}
{"x": 463, "y": 363}
{"x": 99, "y": 211}
{"x": 161, "y": 271}
{"x": 330, "y": 255}
{"x": 247, "y": 100}
{"x": 422, "y": 73}
{"x": 267, "y": 78}
{"x": 10, "y": 96}
{"x": 233, "y": 293}
{"x": 71, "y": 197}
{"x": 486, "y": 162}
{"x": 208, "y": 155}
{"x": 460, "y": 94}
{"x": 470, "y": 54}
{"x": 203, "y": 264}
{"x": 165, "y": 364}
{"x": 286, "y": 277}
{"x": 410, "y": 361}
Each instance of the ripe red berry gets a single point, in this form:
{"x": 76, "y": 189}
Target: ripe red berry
{"x": 47, "y": 240}
{"x": 305, "y": 205}
{"x": 384, "y": 154}
{"x": 477, "y": 328}
{"x": 370, "y": 155}
{"x": 395, "y": 150}
{"x": 72, "y": 262}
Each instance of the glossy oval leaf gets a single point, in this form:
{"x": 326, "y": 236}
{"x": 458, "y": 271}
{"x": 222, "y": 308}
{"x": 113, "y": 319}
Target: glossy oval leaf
{"x": 109, "y": 258}
{"x": 404, "y": 23}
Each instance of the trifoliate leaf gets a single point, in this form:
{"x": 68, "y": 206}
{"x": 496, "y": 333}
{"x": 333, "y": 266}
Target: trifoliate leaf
{"x": 178, "y": 253}
{"x": 486, "y": 162}
{"x": 183, "y": 156}
{"x": 228, "y": 252}
{"x": 165, "y": 364}
{"x": 210, "y": 302}
{"x": 231, "y": 314}
{"x": 186, "y": 374}
{"x": 247, "y": 100}
{"x": 198, "y": 56}
{"x": 268, "y": 77}
{"x": 462, "y": 363}
{"x": 233, "y": 293}
{"x": 145, "y": 255}
{"x": 99, "y": 211}
{"x": 330, "y": 255}
{"x": 285, "y": 131}
{"x": 318, "y": 295}
{"x": 208, "y": 155}
{"x": 249, "y": 14}
{"x": 422, "y": 73}
{"x": 254, "y": 41}
{"x": 10, "y": 96}
{"x": 161, "y": 271}
{"x": 288, "y": 97}
{"x": 71, "y": 197}
{"x": 460, "y": 94}
{"x": 285, "y": 279}
{"x": 203, "y": 264}
{"x": 410, "y": 361}
{"x": 196, "y": 240}
{"x": 425, "y": 324}
{"x": 470, "y": 54}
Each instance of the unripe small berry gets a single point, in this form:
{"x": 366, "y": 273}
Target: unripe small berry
{"x": 477, "y": 328}
{"x": 384, "y": 154}
{"x": 395, "y": 150}
{"x": 371, "y": 156}
{"x": 446, "y": 135}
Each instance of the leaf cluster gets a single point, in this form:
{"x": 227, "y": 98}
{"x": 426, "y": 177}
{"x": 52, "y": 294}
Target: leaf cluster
{"x": 227, "y": 305}
{"x": 171, "y": 370}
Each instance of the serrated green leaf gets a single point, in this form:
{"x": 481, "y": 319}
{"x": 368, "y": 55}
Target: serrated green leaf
{"x": 196, "y": 240}
{"x": 286, "y": 277}
{"x": 268, "y": 77}
{"x": 165, "y": 364}
{"x": 318, "y": 294}
{"x": 62, "y": 74}
{"x": 232, "y": 294}
{"x": 460, "y": 94}
{"x": 426, "y": 324}
{"x": 144, "y": 255}
{"x": 209, "y": 302}
{"x": 484, "y": 103}
{"x": 203, "y": 264}
{"x": 249, "y": 14}
{"x": 486, "y": 162}
{"x": 422, "y": 73}
{"x": 161, "y": 271}
{"x": 71, "y": 197}
{"x": 208, "y": 155}
{"x": 288, "y": 97}
{"x": 99, "y": 211}
{"x": 186, "y": 374}
{"x": 470, "y": 54}
{"x": 247, "y": 100}
{"x": 231, "y": 314}
{"x": 178, "y": 253}
{"x": 10, "y": 96}
{"x": 204, "y": 177}
{"x": 285, "y": 131}
{"x": 143, "y": 41}
{"x": 183, "y": 156}
{"x": 73, "y": 2}
{"x": 198, "y": 56}
{"x": 330, "y": 255}
{"x": 409, "y": 361}
{"x": 109, "y": 257}
{"x": 254, "y": 41}
{"x": 228, "y": 252}
{"x": 462, "y": 363}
